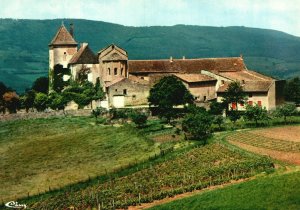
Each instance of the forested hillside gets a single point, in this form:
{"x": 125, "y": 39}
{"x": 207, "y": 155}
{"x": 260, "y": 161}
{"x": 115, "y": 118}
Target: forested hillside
{"x": 24, "y": 46}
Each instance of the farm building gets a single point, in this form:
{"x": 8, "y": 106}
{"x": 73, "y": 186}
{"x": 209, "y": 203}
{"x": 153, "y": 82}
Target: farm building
{"x": 128, "y": 82}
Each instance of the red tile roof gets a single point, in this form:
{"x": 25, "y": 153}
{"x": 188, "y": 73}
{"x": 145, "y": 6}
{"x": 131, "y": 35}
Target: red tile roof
{"x": 190, "y": 78}
{"x": 63, "y": 37}
{"x": 186, "y": 65}
{"x": 84, "y": 56}
{"x": 245, "y": 75}
{"x": 131, "y": 78}
{"x": 250, "y": 86}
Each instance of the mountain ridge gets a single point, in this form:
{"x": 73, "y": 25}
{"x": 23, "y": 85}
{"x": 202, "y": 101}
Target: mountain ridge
{"x": 25, "y": 42}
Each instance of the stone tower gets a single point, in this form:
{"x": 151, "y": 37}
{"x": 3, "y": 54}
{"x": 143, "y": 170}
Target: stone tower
{"x": 61, "y": 49}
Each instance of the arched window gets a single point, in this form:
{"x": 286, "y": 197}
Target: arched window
{"x": 108, "y": 71}
{"x": 115, "y": 71}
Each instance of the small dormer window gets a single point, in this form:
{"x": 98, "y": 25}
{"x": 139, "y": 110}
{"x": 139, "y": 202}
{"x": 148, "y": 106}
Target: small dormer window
{"x": 115, "y": 71}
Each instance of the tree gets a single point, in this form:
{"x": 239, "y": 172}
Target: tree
{"x": 3, "y": 89}
{"x": 218, "y": 119}
{"x": 11, "y": 101}
{"x": 84, "y": 94}
{"x": 256, "y": 113}
{"x": 216, "y": 108}
{"x": 57, "y": 101}
{"x": 41, "y": 101}
{"x": 292, "y": 90}
{"x": 234, "y": 115}
{"x": 98, "y": 111}
{"x": 197, "y": 124}
{"x": 41, "y": 85}
{"x": 28, "y": 100}
{"x": 235, "y": 94}
{"x": 139, "y": 119}
{"x": 99, "y": 93}
{"x": 169, "y": 92}
{"x": 286, "y": 110}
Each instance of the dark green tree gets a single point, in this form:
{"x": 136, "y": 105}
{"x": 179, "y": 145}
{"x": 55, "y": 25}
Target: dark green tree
{"x": 256, "y": 113}
{"x": 41, "y": 85}
{"x": 234, "y": 115}
{"x": 197, "y": 124}
{"x": 235, "y": 94}
{"x": 166, "y": 94}
{"x": 28, "y": 100}
{"x": 292, "y": 90}
{"x": 58, "y": 83}
{"x": 286, "y": 110}
{"x": 216, "y": 108}
{"x": 139, "y": 119}
{"x": 3, "y": 89}
{"x": 219, "y": 120}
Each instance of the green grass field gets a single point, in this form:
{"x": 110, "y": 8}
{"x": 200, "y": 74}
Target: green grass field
{"x": 271, "y": 192}
{"x": 42, "y": 153}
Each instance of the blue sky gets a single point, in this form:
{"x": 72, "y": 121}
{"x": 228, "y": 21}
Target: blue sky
{"x": 282, "y": 15}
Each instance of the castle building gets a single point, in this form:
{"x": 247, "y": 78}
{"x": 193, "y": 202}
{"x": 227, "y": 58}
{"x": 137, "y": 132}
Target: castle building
{"x": 128, "y": 82}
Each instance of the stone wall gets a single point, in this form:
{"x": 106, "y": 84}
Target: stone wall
{"x": 34, "y": 115}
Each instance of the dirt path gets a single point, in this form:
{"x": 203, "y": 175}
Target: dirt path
{"x": 289, "y": 157}
{"x": 184, "y": 195}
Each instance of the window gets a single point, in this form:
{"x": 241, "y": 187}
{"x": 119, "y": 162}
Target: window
{"x": 108, "y": 71}
{"x": 115, "y": 71}
{"x": 250, "y": 103}
{"x": 142, "y": 77}
{"x": 116, "y": 90}
{"x": 259, "y": 103}
{"x": 133, "y": 97}
{"x": 250, "y": 95}
{"x": 65, "y": 56}
{"x": 234, "y": 106}
{"x": 204, "y": 98}
{"x": 121, "y": 71}
{"x": 125, "y": 91}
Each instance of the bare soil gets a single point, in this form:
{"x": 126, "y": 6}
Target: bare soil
{"x": 288, "y": 133}
{"x": 289, "y": 157}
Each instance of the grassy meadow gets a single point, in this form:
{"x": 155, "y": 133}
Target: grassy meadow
{"x": 271, "y": 192}
{"x": 50, "y": 153}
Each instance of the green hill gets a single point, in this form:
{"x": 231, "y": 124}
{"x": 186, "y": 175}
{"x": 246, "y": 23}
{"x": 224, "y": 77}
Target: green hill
{"x": 24, "y": 45}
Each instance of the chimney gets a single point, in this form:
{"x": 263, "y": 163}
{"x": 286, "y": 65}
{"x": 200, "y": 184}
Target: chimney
{"x": 72, "y": 29}
{"x": 183, "y": 57}
{"x": 171, "y": 59}
{"x": 241, "y": 56}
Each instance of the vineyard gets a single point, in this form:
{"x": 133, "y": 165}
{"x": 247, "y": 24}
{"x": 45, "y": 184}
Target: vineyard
{"x": 198, "y": 168}
{"x": 265, "y": 142}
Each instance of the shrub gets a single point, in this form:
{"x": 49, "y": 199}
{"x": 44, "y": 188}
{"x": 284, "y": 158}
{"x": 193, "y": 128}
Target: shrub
{"x": 139, "y": 119}
{"x": 197, "y": 124}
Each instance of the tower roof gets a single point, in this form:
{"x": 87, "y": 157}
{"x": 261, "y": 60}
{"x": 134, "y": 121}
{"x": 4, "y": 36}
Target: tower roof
{"x": 63, "y": 37}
